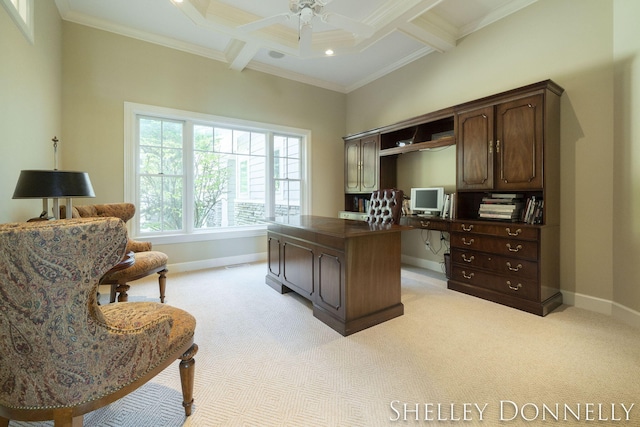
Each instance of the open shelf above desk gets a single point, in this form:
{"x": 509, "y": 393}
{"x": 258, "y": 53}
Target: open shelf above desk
{"x": 419, "y": 146}
{"x": 419, "y": 133}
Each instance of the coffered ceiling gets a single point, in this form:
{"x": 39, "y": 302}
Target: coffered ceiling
{"x": 369, "y": 38}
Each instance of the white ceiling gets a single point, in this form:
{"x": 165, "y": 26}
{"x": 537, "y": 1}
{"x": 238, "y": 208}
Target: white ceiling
{"x": 401, "y": 32}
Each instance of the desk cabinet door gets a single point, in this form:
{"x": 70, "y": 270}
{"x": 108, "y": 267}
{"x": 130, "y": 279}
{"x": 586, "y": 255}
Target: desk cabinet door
{"x": 298, "y": 268}
{"x": 331, "y": 282}
{"x": 273, "y": 261}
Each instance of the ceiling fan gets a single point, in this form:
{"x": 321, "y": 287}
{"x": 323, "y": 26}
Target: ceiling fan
{"x": 305, "y": 11}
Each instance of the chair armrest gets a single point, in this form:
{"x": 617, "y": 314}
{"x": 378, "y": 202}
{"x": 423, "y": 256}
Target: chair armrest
{"x": 138, "y": 246}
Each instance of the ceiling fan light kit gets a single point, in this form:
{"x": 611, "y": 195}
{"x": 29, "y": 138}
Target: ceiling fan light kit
{"x": 305, "y": 11}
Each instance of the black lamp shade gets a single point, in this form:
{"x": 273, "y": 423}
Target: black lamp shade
{"x": 35, "y": 184}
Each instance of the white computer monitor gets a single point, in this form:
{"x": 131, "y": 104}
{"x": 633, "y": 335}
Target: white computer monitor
{"x": 429, "y": 200}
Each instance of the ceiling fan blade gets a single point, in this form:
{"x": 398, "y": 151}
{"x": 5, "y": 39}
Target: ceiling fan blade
{"x": 348, "y": 24}
{"x": 306, "y": 39}
{"x": 264, "y": 22}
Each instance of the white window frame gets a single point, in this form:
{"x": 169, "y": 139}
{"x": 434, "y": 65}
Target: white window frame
{"x": 21, "y": 11}
{"x": 133, "y": 110}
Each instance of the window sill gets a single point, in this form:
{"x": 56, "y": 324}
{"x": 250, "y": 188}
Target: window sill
{"x": 234, "y": 233}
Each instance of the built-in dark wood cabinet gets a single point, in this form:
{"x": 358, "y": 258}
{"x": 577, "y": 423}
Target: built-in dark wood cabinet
{"x": 505, "y": 143}
{"x": 509, "y": 143}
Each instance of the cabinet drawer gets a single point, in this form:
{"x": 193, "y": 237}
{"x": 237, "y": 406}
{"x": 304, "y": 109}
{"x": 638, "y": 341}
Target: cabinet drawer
{"x": 426, "y": 223}
{"x": 517, "y": 231}
{"x": 519, "y": 268}
{"x": 512, "y": 248}
{"x": 509, "y": 285}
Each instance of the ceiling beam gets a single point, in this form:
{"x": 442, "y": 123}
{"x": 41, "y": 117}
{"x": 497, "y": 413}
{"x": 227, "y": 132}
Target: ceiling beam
{"x": 239, "y": 54}
{"x": 432, "y": 36}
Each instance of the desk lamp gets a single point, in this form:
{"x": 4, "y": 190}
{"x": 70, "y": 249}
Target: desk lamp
{"x": 54, "y": 184}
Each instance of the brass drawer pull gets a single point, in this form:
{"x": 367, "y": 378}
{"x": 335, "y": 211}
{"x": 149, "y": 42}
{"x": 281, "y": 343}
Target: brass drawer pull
{"x": 516, "y": 268}
{"x": 425, "y": 224}
{"x": 470, "y": 259}
{"x": 516, "y": 249}
{"x": 464, "y": 274}
{"x": 469, "y": 243}
{"x": 514, "y": 288}
{"x": 516, "y": 233}
{"x": 465, "y": 228}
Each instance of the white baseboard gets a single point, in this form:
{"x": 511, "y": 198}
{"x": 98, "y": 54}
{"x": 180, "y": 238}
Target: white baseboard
{"x": 423, "y": 263}
{"x": 602, "y": 306}
{"x": 217, "y": 262}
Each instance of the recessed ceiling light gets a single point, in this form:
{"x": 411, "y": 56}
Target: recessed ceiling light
{"x": 328, "y": 52}
{"x": 178, "y": 1}
{"x": 275, "y": 54}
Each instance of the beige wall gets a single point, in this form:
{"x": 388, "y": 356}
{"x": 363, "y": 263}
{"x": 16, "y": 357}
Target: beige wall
{"x": 30, "y": 100}
{"x": 571, "y": 42}
{"x": 626, "y": 156}
{"x": 102, "y": 70}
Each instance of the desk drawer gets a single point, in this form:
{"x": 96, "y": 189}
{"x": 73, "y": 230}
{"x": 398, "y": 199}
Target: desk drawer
{"x": 508, "y": 230}
{"x": 512, "y": 248}
{"x": 437, "y": 224}
{"x": 510, "y": 285}
{"x": 502, "y": 265}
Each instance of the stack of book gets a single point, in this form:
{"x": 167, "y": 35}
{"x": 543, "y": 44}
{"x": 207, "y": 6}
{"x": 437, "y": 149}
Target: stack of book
{"x": 532, "y": 214}
{"x": 503, "y": 206}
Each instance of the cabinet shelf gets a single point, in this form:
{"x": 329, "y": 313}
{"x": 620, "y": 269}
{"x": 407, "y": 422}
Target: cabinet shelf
{"x": 419, "y": 146}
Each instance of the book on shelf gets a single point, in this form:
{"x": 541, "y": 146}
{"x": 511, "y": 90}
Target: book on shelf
{"x": 501, "y": 208}
{"x": 532, "y": 213}
{"x": 500, "y": 216}
{"x": 452, "y": 206}
{"x": 506, "y": 196}
{"x": 446, "y": 207}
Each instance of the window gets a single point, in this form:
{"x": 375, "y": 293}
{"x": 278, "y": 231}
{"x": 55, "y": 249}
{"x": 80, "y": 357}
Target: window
{"x": 194, "y": 176}
{"x": 21, "y": 11}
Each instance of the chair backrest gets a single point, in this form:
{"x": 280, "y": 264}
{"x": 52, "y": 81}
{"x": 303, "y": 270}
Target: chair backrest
{"x": 49, "y": 274}
{"x": 124, "y": 211}
{"x": 385, "y": 206}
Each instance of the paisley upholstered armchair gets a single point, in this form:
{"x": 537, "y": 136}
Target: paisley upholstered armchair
{"x": 61, "y": 354}
{"x": 146, "y": 260}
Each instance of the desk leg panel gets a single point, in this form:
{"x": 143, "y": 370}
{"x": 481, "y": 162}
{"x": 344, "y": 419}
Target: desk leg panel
{"x": 373, "y": 274}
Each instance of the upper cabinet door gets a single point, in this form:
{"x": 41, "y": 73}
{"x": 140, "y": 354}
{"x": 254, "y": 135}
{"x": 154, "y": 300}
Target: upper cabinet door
{"x": 519, "y": 142}
{"x": 352, "y": 166}
{"x": 369, "y": 171}
{"x": 475, "y": 149}
{"x": 361, "y": 166}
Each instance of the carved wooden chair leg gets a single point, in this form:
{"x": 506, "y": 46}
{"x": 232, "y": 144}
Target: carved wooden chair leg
{"x": 187, "y": 371}
{"x": 122, "y": 292}
{"x": 162, "y": 282}
{"x": 4, "y": 422}
{"x": 63, "y": 418}
{"x": 112, "y": 295}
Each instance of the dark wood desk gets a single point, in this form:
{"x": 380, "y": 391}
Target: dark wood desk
{"x": 349, "y": 270}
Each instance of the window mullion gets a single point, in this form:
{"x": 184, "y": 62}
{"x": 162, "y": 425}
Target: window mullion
{"x": 188, "y": 174}
{"x": 270, "y": 199}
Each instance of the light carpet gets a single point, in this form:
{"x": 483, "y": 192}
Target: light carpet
{"x": 451, "y": 359}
